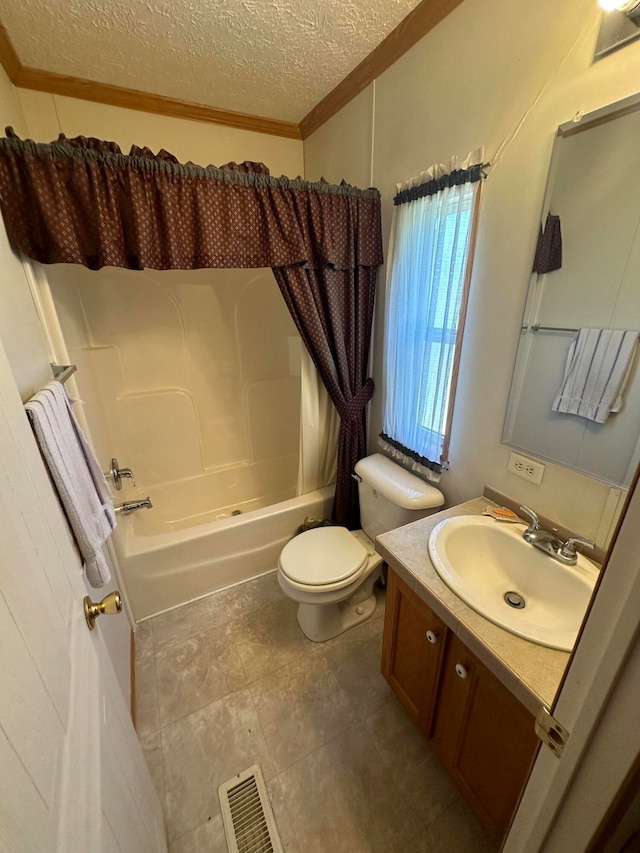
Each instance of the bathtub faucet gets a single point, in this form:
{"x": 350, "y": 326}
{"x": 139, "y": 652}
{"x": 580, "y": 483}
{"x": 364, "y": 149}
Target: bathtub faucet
{"x": 132, "y": 506}
{"x": 117, "y": 474}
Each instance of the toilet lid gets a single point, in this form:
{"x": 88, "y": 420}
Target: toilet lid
{"x": 321, "y": 556}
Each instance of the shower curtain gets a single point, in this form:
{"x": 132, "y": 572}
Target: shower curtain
{"x": 319, "y": 426}
{"x": 82, "y": 201}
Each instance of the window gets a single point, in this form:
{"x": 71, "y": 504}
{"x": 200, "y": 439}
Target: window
{"x": 426, "y": 300}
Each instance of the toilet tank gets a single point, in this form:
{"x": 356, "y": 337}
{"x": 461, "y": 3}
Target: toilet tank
{"x": 391, "y": 496}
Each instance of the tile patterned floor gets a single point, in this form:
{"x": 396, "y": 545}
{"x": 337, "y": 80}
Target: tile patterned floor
{"x": 231, "y": 681}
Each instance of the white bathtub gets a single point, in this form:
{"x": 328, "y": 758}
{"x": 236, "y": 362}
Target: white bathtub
{"x": 163, "y": 568}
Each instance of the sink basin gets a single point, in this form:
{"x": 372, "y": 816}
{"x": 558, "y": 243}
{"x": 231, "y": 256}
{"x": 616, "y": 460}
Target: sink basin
{"x": 491, "y": 568}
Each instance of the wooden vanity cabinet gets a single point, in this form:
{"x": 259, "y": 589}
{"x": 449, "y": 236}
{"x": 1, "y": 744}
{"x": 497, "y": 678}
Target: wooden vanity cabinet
{"x": 412, "y": 651}
{"x": 483, "y": 736}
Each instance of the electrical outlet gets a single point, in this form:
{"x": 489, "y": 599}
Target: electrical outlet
{"x": 526, "y": 468}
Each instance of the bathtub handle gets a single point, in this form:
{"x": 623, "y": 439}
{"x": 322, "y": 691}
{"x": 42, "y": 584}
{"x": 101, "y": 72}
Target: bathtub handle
{"x": 117, "y": 474}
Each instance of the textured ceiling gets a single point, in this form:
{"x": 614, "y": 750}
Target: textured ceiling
{"x": 274, "y": 58}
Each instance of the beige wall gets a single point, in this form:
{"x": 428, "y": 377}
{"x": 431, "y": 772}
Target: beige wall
{"x": 20, "y": 330}
{"x": 343, "y": 146}
{"x": 48, "y": 115}
{"x": 502, "y": 75}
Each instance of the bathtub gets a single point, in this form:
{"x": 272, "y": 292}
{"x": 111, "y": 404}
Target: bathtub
{"x": 164, "y": 564}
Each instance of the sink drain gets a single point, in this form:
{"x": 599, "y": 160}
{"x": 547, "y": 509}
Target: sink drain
{"x": 514, "y": 599}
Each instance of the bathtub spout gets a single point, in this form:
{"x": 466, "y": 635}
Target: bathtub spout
{"x": 131, "y": 506}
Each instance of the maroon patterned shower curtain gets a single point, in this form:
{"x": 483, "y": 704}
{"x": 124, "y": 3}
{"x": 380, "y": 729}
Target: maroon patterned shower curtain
{"x": 333, "y": 310}
{"x": 82, "y": 201}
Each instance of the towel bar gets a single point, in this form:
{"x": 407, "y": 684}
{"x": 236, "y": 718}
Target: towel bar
{"x": 538, "y": 328}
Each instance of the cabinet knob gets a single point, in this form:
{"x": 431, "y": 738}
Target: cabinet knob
{"x": 461, "y": 670}
{"x": 433, "y": 637}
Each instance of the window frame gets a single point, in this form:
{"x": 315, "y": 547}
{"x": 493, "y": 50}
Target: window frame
{"x": 462, "y": 322}
{"x": 445, "y": 336}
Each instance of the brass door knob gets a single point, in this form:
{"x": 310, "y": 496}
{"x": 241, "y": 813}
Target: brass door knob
{"x": 110, "y": 604}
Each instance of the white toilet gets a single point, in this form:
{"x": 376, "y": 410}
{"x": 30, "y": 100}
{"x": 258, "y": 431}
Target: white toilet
{"x": 331, "y": 571}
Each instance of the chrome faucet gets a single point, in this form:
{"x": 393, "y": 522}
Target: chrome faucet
{"x": 116, "y": 474}
{"x": 568, "y": 550}
{"x": 131, "y": 506}
{"x": 548, "y": 542}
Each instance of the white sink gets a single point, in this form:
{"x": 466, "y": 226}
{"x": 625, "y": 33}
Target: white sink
{"x": 483, "y": 560}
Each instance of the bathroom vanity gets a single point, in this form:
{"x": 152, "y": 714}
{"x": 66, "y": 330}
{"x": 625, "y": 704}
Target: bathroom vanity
{"x": 472, "y": 688}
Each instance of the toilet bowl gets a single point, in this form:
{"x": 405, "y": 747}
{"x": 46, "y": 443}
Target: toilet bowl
{"x": 331, "y": 571}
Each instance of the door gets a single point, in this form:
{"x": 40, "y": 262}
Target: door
{"x": 72, "y": 774}
{"x": 483, "y": 736}
{"x": 412, "y": 651}
{"x": 565, "y": 800}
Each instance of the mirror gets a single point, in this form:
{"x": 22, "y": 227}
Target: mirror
{"x": 593, "y": 187}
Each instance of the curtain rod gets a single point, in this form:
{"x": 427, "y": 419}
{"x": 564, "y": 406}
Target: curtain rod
{"x": 109, "y": 154}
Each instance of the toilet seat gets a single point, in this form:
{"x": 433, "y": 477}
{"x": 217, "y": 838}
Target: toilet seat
{"x": 323, "y": 559}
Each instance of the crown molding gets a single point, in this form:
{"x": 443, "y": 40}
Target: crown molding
{"x": 8, "y": 56}
{"x": 117, "y": 96}
{"x": 409, "y": 31}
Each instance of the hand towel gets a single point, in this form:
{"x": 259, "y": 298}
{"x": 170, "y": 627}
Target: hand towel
{"x": 548, "y": 255}
{"x": 598, "y": 367}
{"x": 77, "y": 476}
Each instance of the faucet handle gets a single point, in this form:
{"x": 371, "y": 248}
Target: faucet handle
{"x": 535, "y": 522}
{"x": 569, "y": 547}
{"x": 128, "y": 473}
{"x": 116, "y": 474}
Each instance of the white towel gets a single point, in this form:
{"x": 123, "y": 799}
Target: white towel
{"x": 598, "y": 367}
{"x": 77, "y": 476}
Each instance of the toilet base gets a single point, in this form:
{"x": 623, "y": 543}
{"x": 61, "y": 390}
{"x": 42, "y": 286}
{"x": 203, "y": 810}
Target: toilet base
{"x": 321, "y": 622}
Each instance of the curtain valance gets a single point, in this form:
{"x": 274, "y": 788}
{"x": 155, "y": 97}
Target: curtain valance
{"x": 83, "y": 201}
{"x": 436, "y": 185}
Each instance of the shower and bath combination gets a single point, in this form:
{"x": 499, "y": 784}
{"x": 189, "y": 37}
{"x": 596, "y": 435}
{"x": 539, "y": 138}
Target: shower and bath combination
{"x": 187, "y": 326}
{"x": 195, "y": 381}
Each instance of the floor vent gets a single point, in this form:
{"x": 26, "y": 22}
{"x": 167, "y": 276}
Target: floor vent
{"x": 246, "y": 811}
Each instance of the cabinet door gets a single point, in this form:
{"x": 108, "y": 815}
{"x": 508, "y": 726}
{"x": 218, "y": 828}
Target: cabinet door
{"x": 412, "y": 651}
{"x": 484, "y": 737}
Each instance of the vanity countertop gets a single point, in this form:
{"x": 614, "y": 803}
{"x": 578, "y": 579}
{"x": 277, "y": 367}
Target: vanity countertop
{"x": 529, "y": 671}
